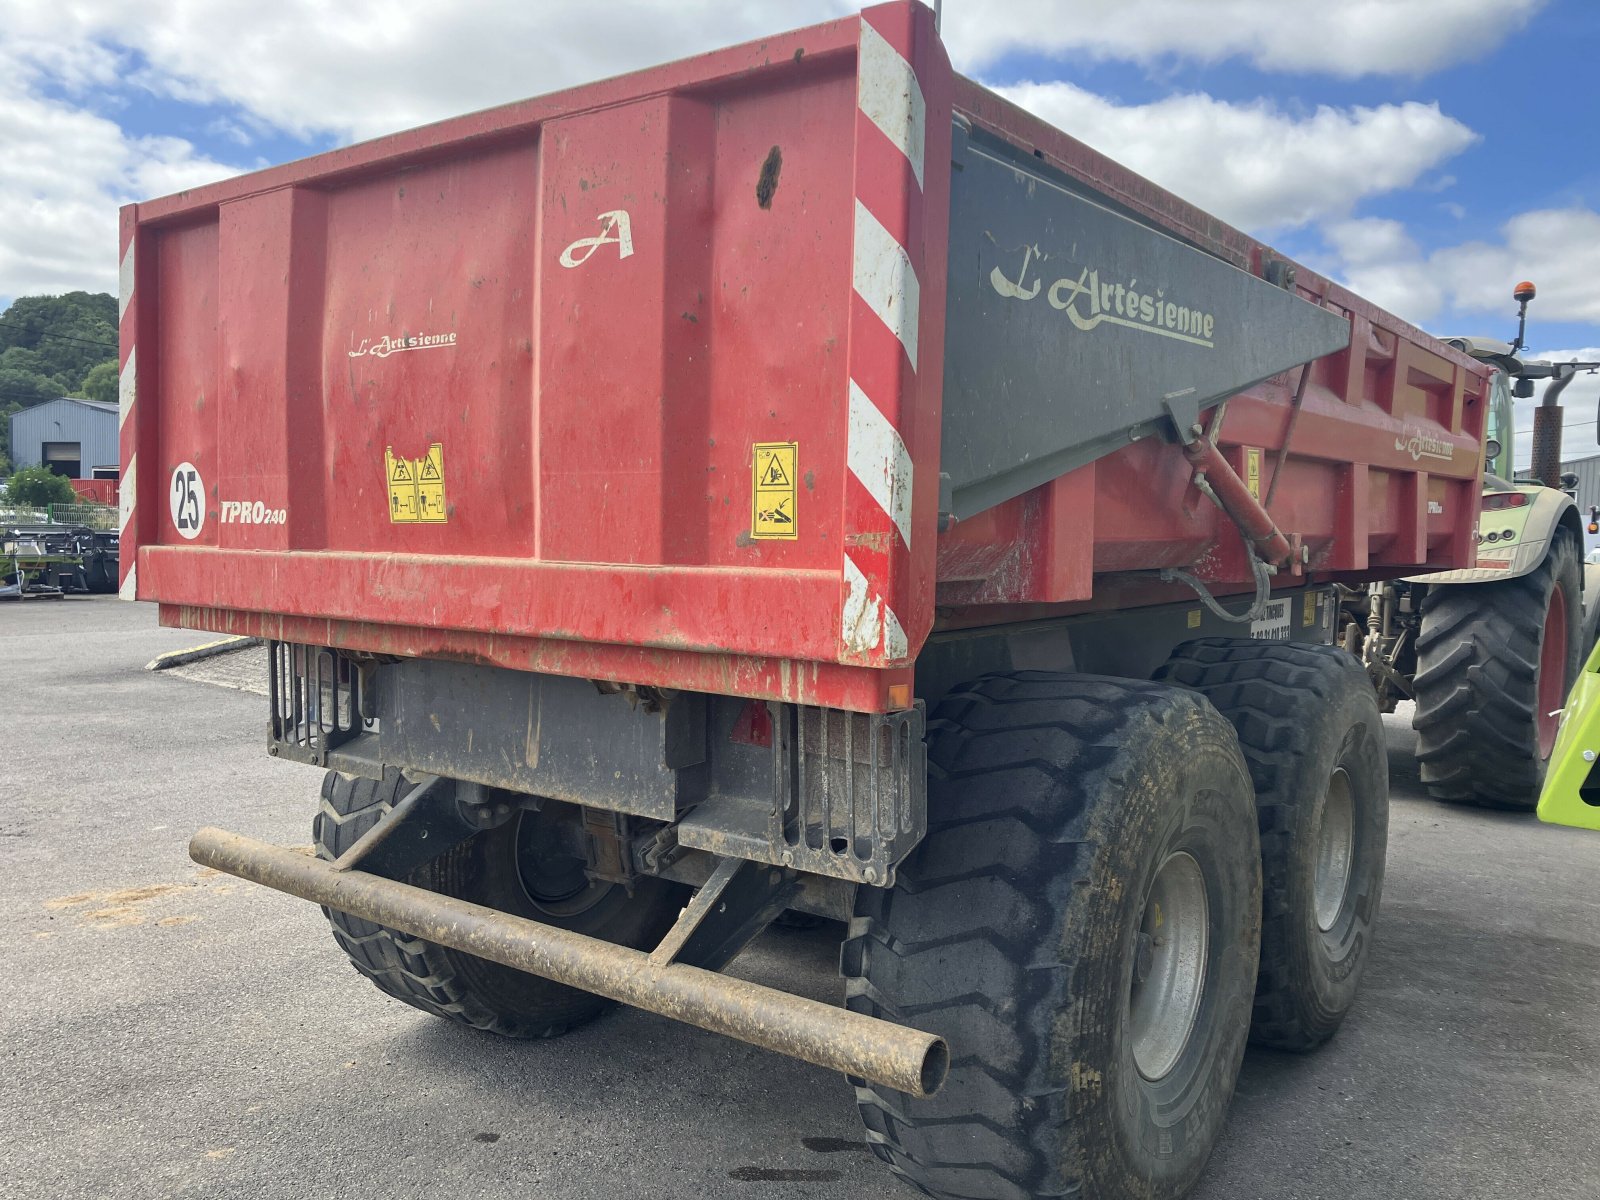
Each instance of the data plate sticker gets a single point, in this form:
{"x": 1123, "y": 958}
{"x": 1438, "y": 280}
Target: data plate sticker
{"x": 776, "y": 467}
{"x": 1273, "y": 624}
{"x": 416, "y": 487}
{"x": 187, "y": 495}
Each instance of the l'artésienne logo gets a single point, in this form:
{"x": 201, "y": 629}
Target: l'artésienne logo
{"x": 1089, "y": 301}
{"x": 1420, "y": 444}
{"x": 383, "y": 347}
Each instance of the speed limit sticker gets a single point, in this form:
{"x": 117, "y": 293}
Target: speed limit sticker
{"x": 188, "y": 498}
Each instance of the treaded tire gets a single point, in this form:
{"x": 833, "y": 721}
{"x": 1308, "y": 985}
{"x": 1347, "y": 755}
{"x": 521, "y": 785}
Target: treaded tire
{"x": 1013, "y": 930}
{"x": 1477, "y": 682}
{"x": 460, "y": 987}
{"x": 1302, "y": 714}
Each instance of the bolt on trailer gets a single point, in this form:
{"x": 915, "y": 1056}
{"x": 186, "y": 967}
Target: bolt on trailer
{"x": 797, "y": 479}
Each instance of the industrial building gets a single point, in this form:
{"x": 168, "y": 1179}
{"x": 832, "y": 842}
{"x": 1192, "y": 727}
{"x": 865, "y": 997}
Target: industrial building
{"x": 1588, "y": 472}
{"x": 75, "y": 438}
{"x": 1587, "y": 492}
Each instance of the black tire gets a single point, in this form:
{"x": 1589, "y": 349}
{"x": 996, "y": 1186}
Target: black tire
{"x": 1308, "y": 723}
{"x": 1014, "y": 929}
{"x": 461, "y": 987}
{"x": 1478, "y": 682}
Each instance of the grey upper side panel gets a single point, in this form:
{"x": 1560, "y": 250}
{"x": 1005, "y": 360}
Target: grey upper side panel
{"x": 1070, "y": 328}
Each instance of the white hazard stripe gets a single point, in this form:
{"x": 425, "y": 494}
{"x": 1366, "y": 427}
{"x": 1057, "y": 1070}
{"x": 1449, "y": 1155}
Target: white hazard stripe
{"x": 125, "y": 283}
{"x": 878, "y": 458}
{"x": 128, "y": 489}
{"x": 889, "y": 96}
{"x": 868, "y": 620}
{"x": 127, "y": 385}
{"x": 885, "y": 279}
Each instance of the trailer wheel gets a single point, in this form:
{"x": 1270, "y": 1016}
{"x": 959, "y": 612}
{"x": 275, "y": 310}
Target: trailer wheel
{"x": 1308, "y": 723}
{"x": 1082, "y": 924}
{"x": 1494, "y": 664}
{"x": 512, "y": 869}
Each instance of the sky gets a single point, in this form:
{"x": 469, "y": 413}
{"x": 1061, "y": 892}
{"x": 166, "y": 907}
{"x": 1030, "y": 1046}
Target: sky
{"x": 1428, "y": 153}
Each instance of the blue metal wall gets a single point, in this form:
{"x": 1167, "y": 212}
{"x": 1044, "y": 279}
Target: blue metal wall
{"x": 93, "y": 426}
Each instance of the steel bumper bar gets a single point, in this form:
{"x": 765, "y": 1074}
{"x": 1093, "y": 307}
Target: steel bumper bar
{"x": 907, "y": 1060}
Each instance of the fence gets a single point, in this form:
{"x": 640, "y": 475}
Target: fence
{"x": 95, "y": 516}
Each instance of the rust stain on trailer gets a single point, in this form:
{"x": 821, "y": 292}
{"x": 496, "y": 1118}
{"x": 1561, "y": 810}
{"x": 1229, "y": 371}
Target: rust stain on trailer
{"x": 882, "y": 543}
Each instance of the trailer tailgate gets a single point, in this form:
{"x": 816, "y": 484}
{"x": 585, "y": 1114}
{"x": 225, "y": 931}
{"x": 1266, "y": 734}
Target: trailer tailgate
{"x": 635, "y": 365}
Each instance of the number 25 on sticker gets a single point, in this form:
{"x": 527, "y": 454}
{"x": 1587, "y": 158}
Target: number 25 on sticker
{"x": 188, "y": 497}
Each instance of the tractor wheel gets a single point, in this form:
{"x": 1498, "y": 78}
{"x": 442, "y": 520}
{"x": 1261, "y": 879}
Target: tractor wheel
{"x": 1308, "y": 723}
{"x": 1494, "y": 664}
{"x": 1082, "y": 923}
{"x": 511, "y": 869}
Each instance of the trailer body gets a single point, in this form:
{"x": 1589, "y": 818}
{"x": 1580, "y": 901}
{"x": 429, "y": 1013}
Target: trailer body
{"x": 825, "y": 262}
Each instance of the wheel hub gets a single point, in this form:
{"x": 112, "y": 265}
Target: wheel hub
{"x": 1170, "y": 958}
{"x": 1336, "y": 839}
{"x": 554, "y": 879}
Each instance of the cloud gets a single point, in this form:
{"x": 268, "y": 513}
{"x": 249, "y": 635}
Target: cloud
{"x": 1350, "y": 39}
{"x": 1557, "y": 248}
{"x": 1256, "y": 165}
{"x": 1378, "y": 259}
{"x": 64, "y": 173}
{"x": 366, "y": 67}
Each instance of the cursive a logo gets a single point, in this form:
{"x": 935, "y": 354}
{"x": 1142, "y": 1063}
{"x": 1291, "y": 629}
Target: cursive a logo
{"x": 1421, "y": 444}
{"x": 384, "y": 346}
{"x": 1088, "y": 302}
{"x": 615, "y": 230}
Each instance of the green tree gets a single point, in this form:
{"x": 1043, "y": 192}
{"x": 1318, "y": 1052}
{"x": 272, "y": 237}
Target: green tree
{"x": 101, "y": 382}
{"x": 49, "y": 346}
{"x": 37, "y": 487}
{"x": 67, "y": 334}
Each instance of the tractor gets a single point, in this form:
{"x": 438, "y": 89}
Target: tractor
{"x": 1489, "y": 653}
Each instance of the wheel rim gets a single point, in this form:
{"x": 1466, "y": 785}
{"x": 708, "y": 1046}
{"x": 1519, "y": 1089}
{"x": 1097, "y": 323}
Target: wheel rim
{"x": 554, "y": 880}
{"x": 1169, "y": 972}
{"x": 1552, "y": 670}
{"x": 1336, "y": 839}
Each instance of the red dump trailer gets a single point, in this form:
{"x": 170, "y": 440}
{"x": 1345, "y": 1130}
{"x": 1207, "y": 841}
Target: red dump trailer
{"x": 798, "y": 479}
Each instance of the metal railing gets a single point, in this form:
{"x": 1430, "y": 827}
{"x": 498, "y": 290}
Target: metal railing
{"x": 95, "y": 516}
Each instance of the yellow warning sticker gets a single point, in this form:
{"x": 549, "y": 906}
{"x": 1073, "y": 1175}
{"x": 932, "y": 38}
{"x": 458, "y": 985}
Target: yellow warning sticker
{"x": 773, "y": 490}
{"x": 416, "y": 487}
{"x": 1194, "y": 618}
{"x": 1252, "y": 470}
{"x": 1309, "y": 617}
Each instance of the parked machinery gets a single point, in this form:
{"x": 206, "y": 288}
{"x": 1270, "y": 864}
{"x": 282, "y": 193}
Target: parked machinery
{"x": 1489, "y": 653}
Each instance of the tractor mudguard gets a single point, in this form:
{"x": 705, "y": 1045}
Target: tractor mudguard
{"x": 1571, "y": 794}
{"x": 1532, "y": 527}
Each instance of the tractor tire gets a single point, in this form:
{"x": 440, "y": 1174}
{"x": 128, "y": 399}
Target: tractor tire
{"x": 1082, "y": 924}
{"x": 500, "y": 869}
{"x": 1494, "y": 664}
{"x": 1308, "y": 723}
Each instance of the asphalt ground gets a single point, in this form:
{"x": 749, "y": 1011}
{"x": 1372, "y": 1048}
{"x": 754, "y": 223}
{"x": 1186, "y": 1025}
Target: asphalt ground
{"x": 171, "y": 1032}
